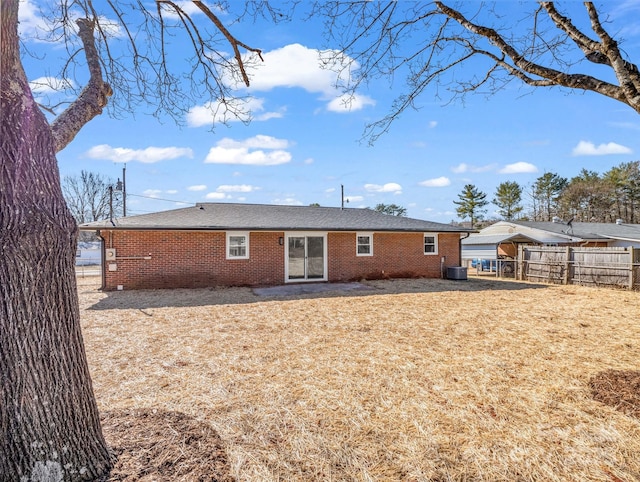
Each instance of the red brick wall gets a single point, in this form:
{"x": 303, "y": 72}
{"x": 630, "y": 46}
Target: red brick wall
{"x": 395, "y": 255}
{"x": 182, "y": 259}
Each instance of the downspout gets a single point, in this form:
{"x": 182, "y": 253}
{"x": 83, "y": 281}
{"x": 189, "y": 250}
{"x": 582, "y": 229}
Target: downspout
{"x": 103, "y": 263}
{"x": 460, "y": 247}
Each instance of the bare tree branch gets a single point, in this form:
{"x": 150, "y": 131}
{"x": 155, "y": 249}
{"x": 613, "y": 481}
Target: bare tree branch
{"x": 93, "y": 97}
{"x": 232, "y": 40}
{"x": 626, "y": 72}
{"x": 523, "y": 66}
{"x": 432, "y": 41}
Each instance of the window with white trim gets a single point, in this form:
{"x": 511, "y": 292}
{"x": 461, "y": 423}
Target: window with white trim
{"x": 430, "y": 243}
{"x": 237, "y": 245}
{"x": 364, "y": 244}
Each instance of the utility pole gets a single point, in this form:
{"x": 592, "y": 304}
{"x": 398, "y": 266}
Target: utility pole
{"x": 124, "y": 191}
{"x": 111, "y": 204}
{"x": 121, "y": 186}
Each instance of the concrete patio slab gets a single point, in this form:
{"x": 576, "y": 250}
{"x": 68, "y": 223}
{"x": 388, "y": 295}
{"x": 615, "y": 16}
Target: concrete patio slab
{"x": 309, "y": 288}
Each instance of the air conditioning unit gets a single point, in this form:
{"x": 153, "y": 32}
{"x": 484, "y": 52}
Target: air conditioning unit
{"x": 110, "y": 254}
{"x": 457, "y": 272}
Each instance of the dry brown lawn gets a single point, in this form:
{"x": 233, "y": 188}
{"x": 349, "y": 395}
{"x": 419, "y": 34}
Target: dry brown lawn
{"x": 412, "y": 380}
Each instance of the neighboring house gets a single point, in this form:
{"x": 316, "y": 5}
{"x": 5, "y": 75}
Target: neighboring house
{"x": 501, "y": 240}
{"x": 88, "y": 253}
{"x": 219, "y": 244}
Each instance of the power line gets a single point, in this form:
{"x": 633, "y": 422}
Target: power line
{"x": 161, "y": 199}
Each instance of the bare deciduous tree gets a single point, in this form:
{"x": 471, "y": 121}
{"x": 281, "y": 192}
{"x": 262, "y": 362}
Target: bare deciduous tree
{"x": 87, "y": 196}
{"x": 476, "y": 48}
{"x": 48, "y": 413}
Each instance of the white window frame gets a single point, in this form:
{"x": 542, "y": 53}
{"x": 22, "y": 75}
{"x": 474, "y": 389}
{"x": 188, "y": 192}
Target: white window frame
{"x": 231, "y": 234}
{"x": 370, "y": 244}
{"x": 435, "y": 243}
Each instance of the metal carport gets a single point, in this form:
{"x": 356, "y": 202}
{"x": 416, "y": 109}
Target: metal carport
{"x": 485, "y": 247}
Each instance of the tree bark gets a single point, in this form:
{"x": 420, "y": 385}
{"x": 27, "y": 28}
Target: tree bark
{"x": 49, "y": 424}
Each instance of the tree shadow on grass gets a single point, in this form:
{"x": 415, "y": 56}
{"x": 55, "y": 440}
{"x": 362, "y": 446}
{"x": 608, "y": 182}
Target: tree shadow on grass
{"x": 185, "y": 297}
{"x": 161, "y": 446}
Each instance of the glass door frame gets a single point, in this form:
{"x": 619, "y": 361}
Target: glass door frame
{"x": 305, "y": 234}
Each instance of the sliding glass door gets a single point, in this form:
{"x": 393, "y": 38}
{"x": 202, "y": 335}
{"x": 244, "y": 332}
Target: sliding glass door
{"x": 306, "y": 257}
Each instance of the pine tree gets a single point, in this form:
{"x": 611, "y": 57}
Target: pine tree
{"x": 547, "y": 189}
{"x": 471, "y": 203}
{"x": 508, "y": 198}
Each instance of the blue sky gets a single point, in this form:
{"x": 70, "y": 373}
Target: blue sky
{"x": 303, "y": 144}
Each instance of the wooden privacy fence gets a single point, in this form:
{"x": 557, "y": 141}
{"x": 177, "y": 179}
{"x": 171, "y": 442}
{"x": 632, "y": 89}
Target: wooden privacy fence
{"x": 614, "y": 267}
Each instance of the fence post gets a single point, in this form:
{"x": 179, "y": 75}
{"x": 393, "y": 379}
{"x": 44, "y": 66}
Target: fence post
{"x": 567, "y": 265}
{"x": 520, "y": 263}
{"x": 631, "y": 259}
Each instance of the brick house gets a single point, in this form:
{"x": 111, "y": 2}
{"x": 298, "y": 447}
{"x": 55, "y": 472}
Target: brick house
{"x": 220, "y": 244}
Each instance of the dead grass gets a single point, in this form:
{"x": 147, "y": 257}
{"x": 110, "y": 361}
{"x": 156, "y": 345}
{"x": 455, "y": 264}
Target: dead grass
{"x": 416, "y": 380}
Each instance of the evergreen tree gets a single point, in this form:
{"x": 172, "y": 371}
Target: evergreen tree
{"x": 508, "y": 198}
{"x": 471, "y": 203}
{"x": 585, "y": 198}
{"x": 392, "y": 209}
{"x": 623, "y": 183}
{"x": 547, "y": 191}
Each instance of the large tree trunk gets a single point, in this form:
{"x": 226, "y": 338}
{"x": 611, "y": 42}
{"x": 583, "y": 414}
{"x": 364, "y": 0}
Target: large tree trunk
{"x": 49, "y": 424}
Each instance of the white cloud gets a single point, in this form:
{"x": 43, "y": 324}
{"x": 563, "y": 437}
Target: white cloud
{"x": 349, "y": 103}
{"x": 221, "y": 155}
{"x": 308, "y": 160}
{"x": 353, "y": 199}
{"x": 585, "y": 148}
{"x": 37, "y": 22}
{"x": 50, "y": 85}
{"x": 518, "y": 168}
{"x": 31, "y": 22}
{"x": 148, "y": 155}
{"x": 464, "y": 167}
{"x": 234, "y": 110}
{"x": 433, "y": 124}
{"x": 152, "y": 192}
{"x": 437, "y": 182}
{"x": 256, "y": 142}
{"x": 236, "y": 188}
{"x": 315, "y": 71}
{"x": 388, "y": 187}
{"x": 251, "y": 151}
{"x": 217, "y": 195}
{"x": 197, "y": 187}
{"x": 187, "y": 7}
{"x": 172, "y": 191}
{"x": 289, "y": 201}
{"x": 294, "y": 65}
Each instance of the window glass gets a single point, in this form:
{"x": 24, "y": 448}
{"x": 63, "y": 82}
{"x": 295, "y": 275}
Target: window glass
{"x": 237, "y": 245}
{"x": 430, "y": 244}
{"x": 364, "y": 244}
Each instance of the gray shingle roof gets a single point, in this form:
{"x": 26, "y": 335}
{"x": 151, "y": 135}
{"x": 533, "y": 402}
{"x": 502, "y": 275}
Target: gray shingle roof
{"x": 482, "y": 239}
{"x": 587, "y": 231}
{"x": 262, "y": 217}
